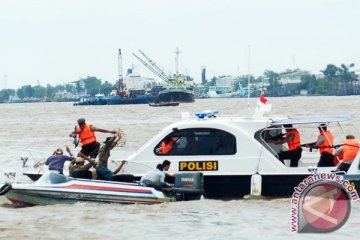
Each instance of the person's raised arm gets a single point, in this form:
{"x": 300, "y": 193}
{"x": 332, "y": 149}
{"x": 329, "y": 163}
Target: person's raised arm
{"x": 95, "y": 129}
{"x": 69, "y": 151}
{"x": 123, "y": 162}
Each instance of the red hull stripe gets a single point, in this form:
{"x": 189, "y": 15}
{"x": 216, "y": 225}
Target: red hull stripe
{"x": 104, "y": 188}
{"x": 88, "y": 199}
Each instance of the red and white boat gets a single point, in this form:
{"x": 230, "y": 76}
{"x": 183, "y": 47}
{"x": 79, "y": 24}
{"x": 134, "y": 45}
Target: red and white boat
{"x": 54, "y": 188}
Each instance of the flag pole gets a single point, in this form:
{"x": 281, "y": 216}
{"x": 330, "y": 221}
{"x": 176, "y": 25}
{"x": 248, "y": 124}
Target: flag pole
{"x": 248, "y": 76}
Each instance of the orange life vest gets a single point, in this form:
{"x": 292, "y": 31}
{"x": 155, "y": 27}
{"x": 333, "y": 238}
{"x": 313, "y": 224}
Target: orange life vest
{"x": 350, "y": 149}
{"x": 294, "y": 143}
{"x": 166, "y": 146}
{"x": 326, "y": 145}
{"x": 86, "y": 135}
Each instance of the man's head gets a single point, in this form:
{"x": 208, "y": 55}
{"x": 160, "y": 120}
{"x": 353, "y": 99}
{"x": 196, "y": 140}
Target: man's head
{"x": 166, "y": 164}
{"x": 350, "y": 136}
{"x": 322, "y": 127}
{"x": 59, "y": 151}
{"x": 113, "y": 144}
{"x": 81, "y": 122}
{"x": 79, "y": 160}
{"x": 288, "y": 126}
{"x": 107, "y": 140}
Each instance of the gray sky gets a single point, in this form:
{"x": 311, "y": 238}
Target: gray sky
{"x": 59, "y": 41}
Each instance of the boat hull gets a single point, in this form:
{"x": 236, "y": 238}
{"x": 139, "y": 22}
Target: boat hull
{"x": 91, "y": 102}
{"x": 84, "y": 191}
{"x": 176, "y": 95}
{"x": 33, "y": 197}
{"x": 140, "y": 99}
{"x": 164, "y": 104}
{"x": 54, "y": 188}
{"x": 238, "y": 186}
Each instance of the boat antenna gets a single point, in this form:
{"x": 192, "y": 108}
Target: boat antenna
{"x": 177, "y": 52}
{"x": 248, "y": 76}
{"x": 120, "y": 71}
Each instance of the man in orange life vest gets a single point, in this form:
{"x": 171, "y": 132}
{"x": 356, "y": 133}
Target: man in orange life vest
{"x": 325, "y": 143}
{"x": 90, "y": 147}
{"x": 166, "y": 146}
{"x": 348, "y": 150}
{"x": 292, "y": 138}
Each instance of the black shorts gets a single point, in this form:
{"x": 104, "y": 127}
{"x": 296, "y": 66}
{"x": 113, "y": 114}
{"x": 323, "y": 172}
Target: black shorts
{"x": 91, "y": 149}
{"x": 326, "y": 160}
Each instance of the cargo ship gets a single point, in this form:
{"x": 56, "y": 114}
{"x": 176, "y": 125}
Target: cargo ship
{"x": 177, "y": 87}
{"x": 132, "y": 95}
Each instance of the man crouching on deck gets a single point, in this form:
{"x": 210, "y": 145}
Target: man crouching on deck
{"x": 156, "y": 178}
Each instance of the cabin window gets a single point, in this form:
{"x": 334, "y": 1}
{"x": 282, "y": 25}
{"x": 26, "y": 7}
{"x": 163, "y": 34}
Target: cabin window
{"x": 198, "y": 141}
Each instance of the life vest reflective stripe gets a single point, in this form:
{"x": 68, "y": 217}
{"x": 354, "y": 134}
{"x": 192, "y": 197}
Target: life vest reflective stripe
{"x": 294, "y": 143}
{"x": 86, "y": 136}
{"x": 166, "y": 146}
{"x": 350, "y": 149}
{"x": 326, "y": 145}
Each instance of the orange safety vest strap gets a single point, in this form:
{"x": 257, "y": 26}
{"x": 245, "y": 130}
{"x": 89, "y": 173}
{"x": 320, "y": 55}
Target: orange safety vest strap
{"x": 294, "y": 143}
{"x": 86, "y": 135}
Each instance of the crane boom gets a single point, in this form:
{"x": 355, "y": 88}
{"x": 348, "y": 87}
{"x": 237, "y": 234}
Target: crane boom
{"x": 151, "y": 65}
{"x": 151, "y": 68}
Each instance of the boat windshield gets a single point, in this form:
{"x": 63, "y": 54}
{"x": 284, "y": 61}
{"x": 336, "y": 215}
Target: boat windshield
{"x": 272, "y": 137}
{"x": 53, "y": 178}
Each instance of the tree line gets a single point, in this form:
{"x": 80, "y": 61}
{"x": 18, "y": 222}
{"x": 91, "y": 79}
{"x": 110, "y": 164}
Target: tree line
{"x": 334, "y": 80}
{"x": 88, "y": 85}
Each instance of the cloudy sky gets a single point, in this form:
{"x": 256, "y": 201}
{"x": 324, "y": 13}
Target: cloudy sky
{"x": 60, "y": 41}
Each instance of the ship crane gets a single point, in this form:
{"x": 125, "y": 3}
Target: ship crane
{"x": 120, "y": 72}
{"x": 151, "y": 65}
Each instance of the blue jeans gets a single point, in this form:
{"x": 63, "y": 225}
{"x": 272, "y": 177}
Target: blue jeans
{"x": 103, "y": 173}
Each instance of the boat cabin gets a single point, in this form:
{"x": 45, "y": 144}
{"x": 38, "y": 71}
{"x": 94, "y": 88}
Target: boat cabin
{"x": 230, "y": 150}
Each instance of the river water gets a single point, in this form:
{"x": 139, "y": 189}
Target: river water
{"x": 42, "y": 127}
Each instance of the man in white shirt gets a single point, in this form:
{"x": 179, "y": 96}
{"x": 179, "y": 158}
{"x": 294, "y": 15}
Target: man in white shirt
{"x": 156, "y": 178}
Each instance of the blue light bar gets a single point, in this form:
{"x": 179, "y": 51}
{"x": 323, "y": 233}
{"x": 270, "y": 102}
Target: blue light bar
{"x": 207, "y": 113}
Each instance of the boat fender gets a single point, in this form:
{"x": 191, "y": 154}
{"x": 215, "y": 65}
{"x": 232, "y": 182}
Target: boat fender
{"x": 5, "y": 189}
{"x": 256, "y": 180}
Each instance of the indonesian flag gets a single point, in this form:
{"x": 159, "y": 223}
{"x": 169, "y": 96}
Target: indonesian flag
{"x": 262, "y": 98}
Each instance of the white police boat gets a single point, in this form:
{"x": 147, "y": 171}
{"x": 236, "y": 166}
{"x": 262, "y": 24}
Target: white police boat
{"x": 53, "y": 188}
{"x": 234, "y": 155}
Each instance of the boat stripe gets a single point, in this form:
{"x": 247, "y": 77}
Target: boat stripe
{"x": 84, "y": 198}
{"x": 116, "y": 189}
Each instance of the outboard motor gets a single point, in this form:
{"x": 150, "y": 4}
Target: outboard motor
{"x": 189, "y": 186}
